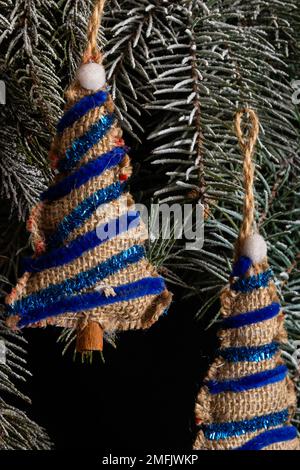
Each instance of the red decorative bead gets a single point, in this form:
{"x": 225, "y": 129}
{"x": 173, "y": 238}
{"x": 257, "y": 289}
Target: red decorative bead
{"x": 29, "y": 224}
{"x": 123, "y": 177}
{"x": 53, "y": 161}
{"x": 39, "y": 247}
{"x": 120, "y": 142}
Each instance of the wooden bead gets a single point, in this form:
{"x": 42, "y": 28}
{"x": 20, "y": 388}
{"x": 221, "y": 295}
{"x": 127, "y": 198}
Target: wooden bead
{"x": 89, "y": 338}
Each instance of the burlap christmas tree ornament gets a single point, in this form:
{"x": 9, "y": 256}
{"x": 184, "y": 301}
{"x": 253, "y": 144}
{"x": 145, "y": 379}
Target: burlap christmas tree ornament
{"x": 247, "y": 400}
{"x": 89, "y": 270}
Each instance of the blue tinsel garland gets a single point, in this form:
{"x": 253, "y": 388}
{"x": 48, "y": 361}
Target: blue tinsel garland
{"x": 83, "y": 280}
{"x": 251, "y": 283}
{"x": 80, "y": 303}
{"x": 218, "y": 431}
{"x": 81, "y": 244}
{"x": 85, "y": 142}
{"x": 286, "y": 433}
{"x": 83, "y": 174}
{"x": 83, "y": 211}
{"x": 250, "y": 354}
{"x": 81, "y": 108}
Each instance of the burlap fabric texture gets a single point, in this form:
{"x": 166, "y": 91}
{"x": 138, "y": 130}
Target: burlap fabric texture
{"x": 247, "y": 400}
{"x": 89, "y": 262}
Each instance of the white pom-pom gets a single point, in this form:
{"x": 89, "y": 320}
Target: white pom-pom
{"x": 91, "y": 76}
{"x": 255, "y": 248}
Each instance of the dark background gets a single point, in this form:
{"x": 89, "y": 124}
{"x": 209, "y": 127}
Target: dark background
{"x": 141, "y": 398}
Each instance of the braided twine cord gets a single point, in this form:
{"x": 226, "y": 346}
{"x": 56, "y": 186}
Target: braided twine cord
{"x": 92, "y": 53}
{"x": 247, "y": 146}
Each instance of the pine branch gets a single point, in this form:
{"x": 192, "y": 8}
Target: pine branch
{"x": 17, "y": 431}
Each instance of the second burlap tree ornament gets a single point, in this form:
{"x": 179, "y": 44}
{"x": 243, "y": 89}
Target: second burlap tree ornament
{"x": 247, "y": 400}
{"x": 89, "y": 270}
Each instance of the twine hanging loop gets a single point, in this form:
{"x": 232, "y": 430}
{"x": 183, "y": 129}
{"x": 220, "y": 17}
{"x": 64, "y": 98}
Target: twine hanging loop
{"x": 92, "y": 52}
{"x": 247, "y": 143}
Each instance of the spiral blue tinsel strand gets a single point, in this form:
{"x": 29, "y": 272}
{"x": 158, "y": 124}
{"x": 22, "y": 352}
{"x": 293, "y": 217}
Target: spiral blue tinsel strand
{"x": 253, "y": 282}
{"x": 250, "y": 354}
{"x": 218, "y": 431}
{"x": 81, "y": 108}
{"x": 85, "y": 142}
{"x": 286, "y": 433}
{"x": 88, "y": 241}
{"x": 84, "y": 174}
{"x": 83, "y": 211}
{"x": 81, "y": 281}
{"x": 80, "y": 303}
